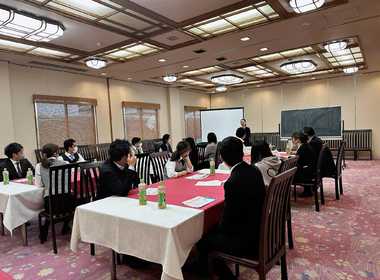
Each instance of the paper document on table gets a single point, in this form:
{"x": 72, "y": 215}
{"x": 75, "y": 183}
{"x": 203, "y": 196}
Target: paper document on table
{"x": 151, "y": 191}
{"x": 198, "y": 201}
{"x": 213, "y": 183}
{"x": 198, "y": 176}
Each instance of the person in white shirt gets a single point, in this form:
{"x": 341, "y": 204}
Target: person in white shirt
{"x": 71, "y": 154}
{"x": 263, "y": 159}
{"x": 137, "y": 146}
{"x": 179, "y": 164}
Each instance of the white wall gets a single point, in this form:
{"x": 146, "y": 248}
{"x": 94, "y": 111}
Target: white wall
{"x": 20, "y": 83}
{"x": 358, "y": 95}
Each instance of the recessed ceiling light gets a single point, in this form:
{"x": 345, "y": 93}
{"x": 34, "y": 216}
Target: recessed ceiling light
{"x": 185, "y": 66}
{"x": 162, "y": 60}
{"x": 170, "y": 78}
{"x": 244, "y": 39}
{"x": 313, "y": 78}
{"x": 103, "y": 74}
{"x": 129, "y": 78}
{"x": 263, "y": 49}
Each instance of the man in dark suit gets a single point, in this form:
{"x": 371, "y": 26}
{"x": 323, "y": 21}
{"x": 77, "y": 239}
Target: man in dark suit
{"x": 315, "y": 142}
{"x": 116, "y": 178}
{"x": 16, "y": 163}
{"x": 239, "y": 229}
{"x": 247, "y": 132}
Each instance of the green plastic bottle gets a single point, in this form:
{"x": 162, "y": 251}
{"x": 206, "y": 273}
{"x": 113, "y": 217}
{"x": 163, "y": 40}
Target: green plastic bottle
{"x": 29, "y": 176}
{"x": 161, "y": 196}
{"x": 5, "y": 177}
{"x": 212, "y": 167}
{"x": 142, "y": 193}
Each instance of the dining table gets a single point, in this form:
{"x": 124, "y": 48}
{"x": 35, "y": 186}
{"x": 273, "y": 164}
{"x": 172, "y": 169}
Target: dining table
{"x": 164, "y": 236}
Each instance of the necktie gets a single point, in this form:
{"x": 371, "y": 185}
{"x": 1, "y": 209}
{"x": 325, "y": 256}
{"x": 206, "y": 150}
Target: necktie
{"x": 19, "y": 172}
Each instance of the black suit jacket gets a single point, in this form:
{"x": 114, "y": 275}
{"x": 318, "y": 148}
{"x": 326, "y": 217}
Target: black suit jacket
{"x": 307, "y": 163}
{"x": 13, "y": 175}
{"x": 247, "y": 139}
{"x": 316, "y": 144}
{"x": 114, "y": 181}
{"x": 244, "y": 194}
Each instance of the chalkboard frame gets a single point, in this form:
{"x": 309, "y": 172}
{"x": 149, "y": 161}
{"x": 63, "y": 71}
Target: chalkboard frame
{"x": 337, "y": 137}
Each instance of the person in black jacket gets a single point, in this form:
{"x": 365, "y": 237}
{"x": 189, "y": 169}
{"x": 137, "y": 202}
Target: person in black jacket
{"x": 247, "y": 132}
{"x": 315, "y": 142}
{"x": 307, "y": 162}
{"x": 165, "y": 146}
{"x": 116, "y": 178}
{"x": 16, "y": 163}
{"x": 239, "y": 229}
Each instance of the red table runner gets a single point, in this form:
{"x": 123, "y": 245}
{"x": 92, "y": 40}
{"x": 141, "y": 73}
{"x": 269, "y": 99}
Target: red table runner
{"x": 182, "y": 189}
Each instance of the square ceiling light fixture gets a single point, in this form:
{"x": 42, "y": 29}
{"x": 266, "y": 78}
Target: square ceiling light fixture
{"x": 26, "y": 26}
{"x": 303, "y": 6}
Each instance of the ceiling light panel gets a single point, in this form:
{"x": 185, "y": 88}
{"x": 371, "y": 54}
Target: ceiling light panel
{"x": 284, "y": 55}
{"x": 132, "y": 51}
{"x": 203, "y": 71}
{"x": 238, "y": 19}
{"x": 48, "y": 53}
{"x": 258, "y": 71}
{"x": 347, "y": 57}
{"x": 195, "y": 83}
{"x": 9, "y": 45}
{"x": 105, "y": 12}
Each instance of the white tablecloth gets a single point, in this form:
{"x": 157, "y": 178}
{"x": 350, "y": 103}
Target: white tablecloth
{"x": 163, "y": 236}
{"x": 19, "y": 203}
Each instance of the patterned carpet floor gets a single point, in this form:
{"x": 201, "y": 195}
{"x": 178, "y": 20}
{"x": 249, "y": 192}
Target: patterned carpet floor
{"x": 342, "y": 242}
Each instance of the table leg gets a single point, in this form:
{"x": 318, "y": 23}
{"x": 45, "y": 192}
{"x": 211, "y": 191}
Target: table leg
{"x": 24, "y": 234}
{"x": 113, "y": 266}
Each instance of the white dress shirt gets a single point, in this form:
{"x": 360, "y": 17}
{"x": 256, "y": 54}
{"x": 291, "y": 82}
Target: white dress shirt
{"x": 80, "y": 157}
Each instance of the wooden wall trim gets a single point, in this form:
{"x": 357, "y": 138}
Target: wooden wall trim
{"x": 64, "y": 99}
{"x": 194, "y": 108}
{"x": 141, "y": 105}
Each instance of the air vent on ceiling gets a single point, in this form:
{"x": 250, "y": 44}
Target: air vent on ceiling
{"x": 221, "y": 58}
{"x": 56, "y": 66}
{"x": 199, "y": 51}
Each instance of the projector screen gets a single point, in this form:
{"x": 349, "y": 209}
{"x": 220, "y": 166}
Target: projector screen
{"x": 223, "y": 122}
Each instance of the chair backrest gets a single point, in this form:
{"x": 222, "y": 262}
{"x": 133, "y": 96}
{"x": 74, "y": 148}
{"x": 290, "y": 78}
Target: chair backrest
{"x": 287, "y": 164}
{"x": 218, "y": 158}
{"x": 63, "y": 188}
{"x": 339, "y": 159}
{"x": 89, "y": 180}
{"x": 272, "y": 231}
{"x": 143, "y": 164}
{"x": 201, "y": 149}
{"x": 102, "y": 152}
{"x": 158, "y": 161}
{"x": 88, "y": 152}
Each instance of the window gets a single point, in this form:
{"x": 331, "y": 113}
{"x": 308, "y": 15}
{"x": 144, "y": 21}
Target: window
{"x": 140, "y": 120}
{"x": 59, "y": 118}
{"x": 193, "y": 122}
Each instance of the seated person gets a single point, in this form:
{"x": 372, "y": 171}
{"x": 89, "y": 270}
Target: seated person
{"x": 71, "y": 154}
{"x": 165, "y": 146}
{"x": 212, "y": 141}
{"x": 179, "y": 164}
{"x": 193, "y": 155}
{"x": 306, "y": 162}
{"x": 263, "y": 159}
{"x": 239, "y": 228}
{"x": 315, "y": 142}
{"x": 49, "y": 158}
{"x": 240, "y": 133}
{"x": 16, "y": 163}
{"x": 116, "y": 178}
{"x": 137, "y": 146}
